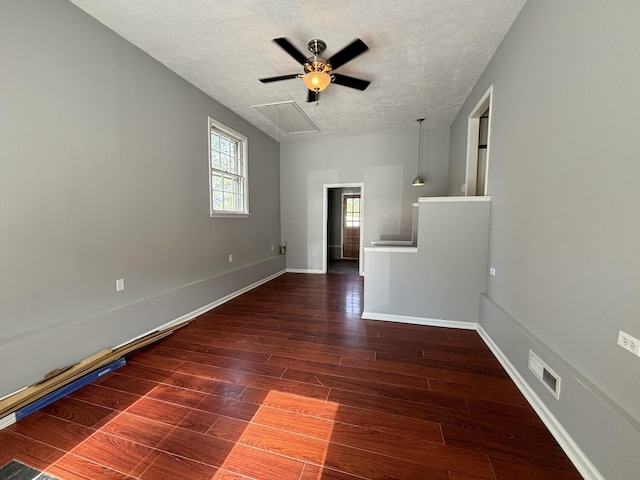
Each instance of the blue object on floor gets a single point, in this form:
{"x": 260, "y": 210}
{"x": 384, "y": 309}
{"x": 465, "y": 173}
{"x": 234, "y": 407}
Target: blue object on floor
{"x": 67, "y": 389}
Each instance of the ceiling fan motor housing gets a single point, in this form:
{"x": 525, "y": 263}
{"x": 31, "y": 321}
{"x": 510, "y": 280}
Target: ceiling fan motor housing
{"x": 316, "y": 46}
{"x": 316, "y": 63}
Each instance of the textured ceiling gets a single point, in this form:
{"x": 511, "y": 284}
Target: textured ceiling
{"x": 424, "y": 56}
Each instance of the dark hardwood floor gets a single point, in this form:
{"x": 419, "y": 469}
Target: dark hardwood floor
{"x": 287, "y": 382}
{"x": 348, "y": 266}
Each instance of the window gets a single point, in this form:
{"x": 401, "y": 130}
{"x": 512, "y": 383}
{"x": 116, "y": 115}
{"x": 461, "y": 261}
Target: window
{"x": 228, "y": 171}
{"x": 352, "y": 210}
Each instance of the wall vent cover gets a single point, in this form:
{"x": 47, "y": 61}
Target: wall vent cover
{"x": 548, "y": 377}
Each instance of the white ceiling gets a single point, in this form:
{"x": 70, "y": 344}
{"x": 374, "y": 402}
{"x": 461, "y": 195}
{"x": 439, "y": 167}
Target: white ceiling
{"x": 424, "y": 56}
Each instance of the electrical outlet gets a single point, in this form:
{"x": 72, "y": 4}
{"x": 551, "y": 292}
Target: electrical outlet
{"x": 492, "y": 271}
{"x": 119, "y": 284}
{"x": 272, "y": 248}
{"x": 628, "y": 342}
{"x": 463, "y": 188}
{"x": 230, "y": 258}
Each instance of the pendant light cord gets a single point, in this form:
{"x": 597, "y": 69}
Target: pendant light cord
{"x": 419, "y": 181}
{"x": 420, "y": 120}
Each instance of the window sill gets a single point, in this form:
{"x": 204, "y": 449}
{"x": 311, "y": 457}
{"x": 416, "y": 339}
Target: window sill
{"x": 229, "y": 215}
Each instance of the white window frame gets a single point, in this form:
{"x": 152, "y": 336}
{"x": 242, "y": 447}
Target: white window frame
{"x": 243, "y": 177}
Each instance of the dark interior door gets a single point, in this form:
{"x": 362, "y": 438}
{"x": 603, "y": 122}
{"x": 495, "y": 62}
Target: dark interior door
{"x": 351, "y": 226}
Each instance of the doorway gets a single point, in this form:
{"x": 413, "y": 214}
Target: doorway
{"x": 478, "y": 143}
{"x": 343, "y": 225}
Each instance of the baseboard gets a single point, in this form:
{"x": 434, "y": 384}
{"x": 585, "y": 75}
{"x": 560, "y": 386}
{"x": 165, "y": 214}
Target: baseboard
{"x": 432, "y": 322}
{"x": 305, "y": 270}
{"x": 8, "y": 421}
{"x": 570, "y": 447}
{"x": 204, "y": 309}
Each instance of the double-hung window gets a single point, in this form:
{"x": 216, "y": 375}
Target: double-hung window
{"x": 228, "y": 171}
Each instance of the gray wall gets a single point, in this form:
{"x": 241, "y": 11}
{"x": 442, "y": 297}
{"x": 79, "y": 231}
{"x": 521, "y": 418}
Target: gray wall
{"x": 440, "y": 281}
{"x": 565, "y": 222}
{"x": 104, "y": 176}
{"x": 385, "y": 163}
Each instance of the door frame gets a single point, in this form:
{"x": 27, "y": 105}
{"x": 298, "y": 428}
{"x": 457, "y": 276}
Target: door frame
{"x": 325, "y": 219}
{"x": 473, "y": 134}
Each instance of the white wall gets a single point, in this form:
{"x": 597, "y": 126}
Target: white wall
{"x": 385, "y": 163}
{"x": 565, "y": 214}
{"x": 104, "y": 176}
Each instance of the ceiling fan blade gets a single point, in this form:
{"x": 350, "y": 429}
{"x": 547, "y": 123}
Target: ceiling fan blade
{"x": 313, "y": 96}
{"x": 291, "y": 50}
{"x": 277, "y": 79}
{"x": 348, "y": 53}
{"x": 351, "y": 82}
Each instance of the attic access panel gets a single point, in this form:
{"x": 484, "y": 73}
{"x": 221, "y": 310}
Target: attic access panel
{"x": 287, "y": 116}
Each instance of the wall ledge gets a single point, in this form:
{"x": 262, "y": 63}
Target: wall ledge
{"x": 398, "y": 249}
{"x": 453, "y": 199}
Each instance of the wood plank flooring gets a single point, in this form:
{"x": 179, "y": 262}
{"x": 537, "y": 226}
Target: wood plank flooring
{"x": 287, "y": 382}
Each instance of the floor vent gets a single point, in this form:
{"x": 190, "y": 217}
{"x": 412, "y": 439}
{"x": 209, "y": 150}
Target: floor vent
{"x": 548, "y": 377}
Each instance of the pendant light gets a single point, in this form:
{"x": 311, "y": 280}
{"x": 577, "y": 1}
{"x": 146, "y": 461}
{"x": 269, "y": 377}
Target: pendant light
{"x": 419, "y": 181}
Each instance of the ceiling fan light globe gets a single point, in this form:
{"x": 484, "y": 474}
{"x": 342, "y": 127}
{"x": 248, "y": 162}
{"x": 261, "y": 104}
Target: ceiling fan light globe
{"x": 316, "y": 81}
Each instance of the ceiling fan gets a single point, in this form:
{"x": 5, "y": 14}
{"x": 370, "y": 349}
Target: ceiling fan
{"x": 318, "y": 71}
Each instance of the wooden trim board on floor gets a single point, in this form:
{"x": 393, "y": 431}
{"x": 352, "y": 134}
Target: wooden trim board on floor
{"x": 30, "y": 394}
{"x": 64, "y": 376}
